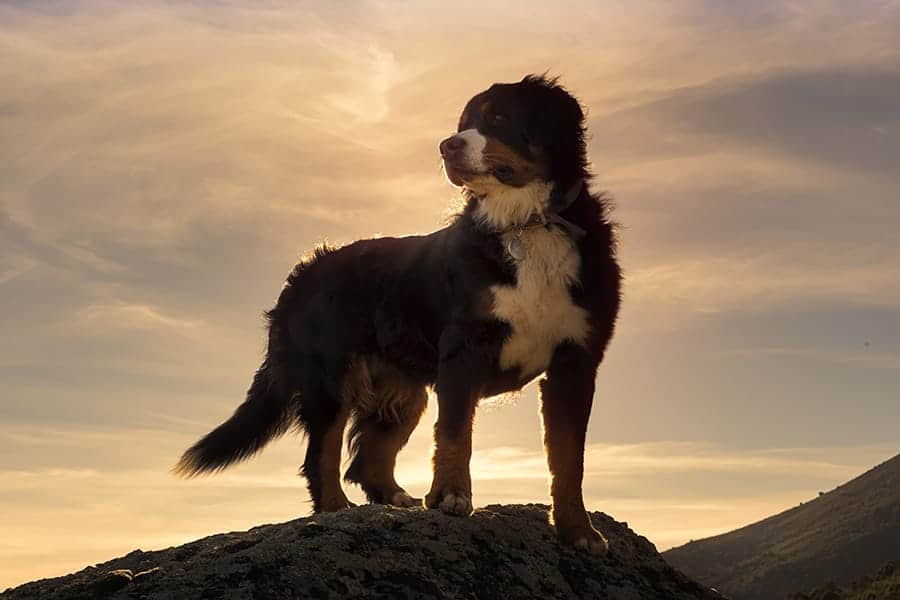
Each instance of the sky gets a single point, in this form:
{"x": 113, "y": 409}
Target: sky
{"x": 163, "y": 165}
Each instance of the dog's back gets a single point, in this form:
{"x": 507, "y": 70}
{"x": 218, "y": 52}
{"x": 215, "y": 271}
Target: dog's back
{"x": 523, "y": 282}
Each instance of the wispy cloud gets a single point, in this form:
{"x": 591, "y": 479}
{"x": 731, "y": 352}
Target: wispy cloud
{"x": 133, "y": 316}
{"x": 162, "y": 166}
{"x": 652, "y": 486}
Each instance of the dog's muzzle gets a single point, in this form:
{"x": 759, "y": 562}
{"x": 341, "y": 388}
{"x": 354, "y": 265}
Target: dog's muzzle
{"x": 452, "y": 148}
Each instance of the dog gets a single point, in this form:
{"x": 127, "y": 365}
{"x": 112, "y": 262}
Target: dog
{"x": 523, "y": 282}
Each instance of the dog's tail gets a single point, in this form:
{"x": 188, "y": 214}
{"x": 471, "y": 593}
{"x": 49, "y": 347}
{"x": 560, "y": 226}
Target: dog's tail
{"x": 263, "y": 416}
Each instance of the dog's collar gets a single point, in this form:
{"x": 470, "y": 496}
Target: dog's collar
{"x": 552, "y": 216}
{"x": 514, "y": 246}
{"x": 569, "y": 198}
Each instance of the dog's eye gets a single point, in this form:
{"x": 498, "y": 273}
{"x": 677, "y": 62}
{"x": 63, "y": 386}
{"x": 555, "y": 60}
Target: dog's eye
{"x": 504, "y": 173}
{"x": 498, "y": 119}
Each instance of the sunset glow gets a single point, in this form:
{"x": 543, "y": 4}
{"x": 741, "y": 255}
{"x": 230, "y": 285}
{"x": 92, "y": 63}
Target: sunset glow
{"x": 163, "y": 166}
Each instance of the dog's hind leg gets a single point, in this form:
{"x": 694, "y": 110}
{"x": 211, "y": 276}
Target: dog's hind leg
{"x": 322, "y": 467}
{"x": 376, "y": 437}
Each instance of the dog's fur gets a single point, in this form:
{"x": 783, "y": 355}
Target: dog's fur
{"x": 360, "y": 332}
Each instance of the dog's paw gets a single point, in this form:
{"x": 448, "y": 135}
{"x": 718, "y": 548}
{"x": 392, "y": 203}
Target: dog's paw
{"x": 595, "y": 544}
{"x": 582, "y": 536}
{"x": 452, "y": 502}
{"x": 404, "y": 500}
{"x": 456, "y": 504}
{"x": 335, "y": 504}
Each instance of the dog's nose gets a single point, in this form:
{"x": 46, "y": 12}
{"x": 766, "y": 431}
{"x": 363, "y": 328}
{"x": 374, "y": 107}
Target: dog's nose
{"x": 452, "y": 145}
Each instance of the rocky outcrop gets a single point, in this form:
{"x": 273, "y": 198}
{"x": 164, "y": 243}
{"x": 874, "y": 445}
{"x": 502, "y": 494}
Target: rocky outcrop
{"x": 500, "y": 552}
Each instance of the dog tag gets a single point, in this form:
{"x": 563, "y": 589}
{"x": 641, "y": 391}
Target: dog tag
{"x": 516, "y": 248}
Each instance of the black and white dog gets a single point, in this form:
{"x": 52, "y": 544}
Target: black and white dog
{"x": 524, "y": 282}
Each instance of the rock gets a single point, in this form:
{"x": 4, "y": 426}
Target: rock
{"x": 500, "y": 552}
{"x": 111, "y": 581}
{"x": 149, "y": 572}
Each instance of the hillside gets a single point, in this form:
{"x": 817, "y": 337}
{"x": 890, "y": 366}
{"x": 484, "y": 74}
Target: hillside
{"x": 884, "y": 585}
{"x": 840, "y": 536}
{"x": 501, "y": 552}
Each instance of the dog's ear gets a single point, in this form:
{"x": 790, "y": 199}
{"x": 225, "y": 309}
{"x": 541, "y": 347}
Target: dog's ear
{"x": 556, "y": 126}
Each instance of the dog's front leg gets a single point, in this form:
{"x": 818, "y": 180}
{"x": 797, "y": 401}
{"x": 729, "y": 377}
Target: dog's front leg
{"x": 457, "y": 392}
{"x": 566, "y": 397}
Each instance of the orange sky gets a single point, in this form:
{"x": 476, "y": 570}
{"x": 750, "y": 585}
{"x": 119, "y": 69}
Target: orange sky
{"x": 162, "y": 166}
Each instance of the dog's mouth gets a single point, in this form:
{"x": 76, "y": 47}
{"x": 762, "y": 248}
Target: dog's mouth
{"x": 458, "y": 175}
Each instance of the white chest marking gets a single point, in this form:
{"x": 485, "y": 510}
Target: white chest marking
{"x": 539, "y": 308}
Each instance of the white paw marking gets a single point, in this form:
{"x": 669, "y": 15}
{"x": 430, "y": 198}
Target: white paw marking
{"x": 456, "y": 504}
{"x": 404, "y": 500}
{"x": 597, "y": 546}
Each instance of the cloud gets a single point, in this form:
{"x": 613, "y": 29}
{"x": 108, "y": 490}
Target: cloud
{"x": 153, "y": 200}
{"x": 162, "y": 166}
{"x": 718, "y": 284}
{"x": 603, "y": 461}
{"x": 11, "y": 266}
{"x": 752, "y": 192}
{"x": 668, "y": 491}
{"x": 842, "y": 116}
{"x": 134, "y": 316}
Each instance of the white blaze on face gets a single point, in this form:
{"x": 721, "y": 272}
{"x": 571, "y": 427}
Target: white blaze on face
{"x": 500, "y": 206}
{"x": 474, "y": 151}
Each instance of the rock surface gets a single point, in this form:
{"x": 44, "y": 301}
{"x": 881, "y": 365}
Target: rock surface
{"x": 500, "y": 552}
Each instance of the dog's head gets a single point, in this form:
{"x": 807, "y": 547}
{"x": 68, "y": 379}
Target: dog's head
{"x": 518, "y": 148}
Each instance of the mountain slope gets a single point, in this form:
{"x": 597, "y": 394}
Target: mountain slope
{"x": 884, "y": 585}
{"x": 840, "y": 536}
{"x": 500, "y": 552}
